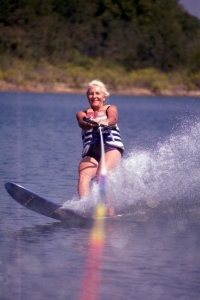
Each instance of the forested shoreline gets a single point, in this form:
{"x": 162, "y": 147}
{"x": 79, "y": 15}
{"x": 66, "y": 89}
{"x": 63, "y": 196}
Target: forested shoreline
{"x": 135, "y": 46}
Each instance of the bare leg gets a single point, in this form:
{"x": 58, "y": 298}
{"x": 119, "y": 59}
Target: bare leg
{"x": 87, "y": 171}
{"x": 112, "y": 158}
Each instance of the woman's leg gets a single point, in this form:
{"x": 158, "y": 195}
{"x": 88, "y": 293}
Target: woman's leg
{"x": 112, "y": 158}
{"x": 87, "y": 171}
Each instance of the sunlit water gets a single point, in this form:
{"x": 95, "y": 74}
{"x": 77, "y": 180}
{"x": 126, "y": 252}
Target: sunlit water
{"x": 152, "y": 251}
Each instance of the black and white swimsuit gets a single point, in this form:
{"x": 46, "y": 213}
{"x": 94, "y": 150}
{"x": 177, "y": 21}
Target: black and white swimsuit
{"x": 91, "y": 138}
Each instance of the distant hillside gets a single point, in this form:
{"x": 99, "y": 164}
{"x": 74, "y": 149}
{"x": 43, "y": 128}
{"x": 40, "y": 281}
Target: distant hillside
{"x": 131, "y": 33}
{"x": 58, "y": 45}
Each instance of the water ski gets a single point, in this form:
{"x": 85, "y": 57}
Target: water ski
{"x": 39, "y": 204}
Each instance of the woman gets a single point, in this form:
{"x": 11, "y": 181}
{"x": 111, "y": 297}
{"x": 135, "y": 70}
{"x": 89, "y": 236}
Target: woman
{"x": 103, "y": 114}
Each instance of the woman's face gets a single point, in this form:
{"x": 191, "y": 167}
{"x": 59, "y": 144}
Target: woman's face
{"x": 96, "y": 97}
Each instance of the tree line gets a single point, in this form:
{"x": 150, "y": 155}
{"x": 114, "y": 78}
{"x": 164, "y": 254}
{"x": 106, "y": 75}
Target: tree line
{"x": 134, "y": 34}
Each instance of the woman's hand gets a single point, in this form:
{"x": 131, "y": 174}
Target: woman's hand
{"x": 90, "y": 122}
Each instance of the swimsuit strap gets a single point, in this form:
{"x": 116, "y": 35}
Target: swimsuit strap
{"x": 107, "y": 110}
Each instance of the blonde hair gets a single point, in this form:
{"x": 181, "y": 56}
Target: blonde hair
{"x": 100, "y": 84}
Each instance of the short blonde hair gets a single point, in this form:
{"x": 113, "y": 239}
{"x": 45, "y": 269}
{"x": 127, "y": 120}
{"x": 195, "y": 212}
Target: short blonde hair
{"x": 99, "y": 84}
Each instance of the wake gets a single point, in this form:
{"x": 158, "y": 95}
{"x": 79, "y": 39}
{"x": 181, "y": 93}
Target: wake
{"x": 165, "y": 178}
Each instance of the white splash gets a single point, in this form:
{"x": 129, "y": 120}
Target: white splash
{"x": 169, "y": 173}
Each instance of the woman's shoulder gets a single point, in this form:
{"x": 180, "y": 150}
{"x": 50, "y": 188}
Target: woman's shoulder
{"x": 88, "y": 110}
{"x": 105, "y": 107}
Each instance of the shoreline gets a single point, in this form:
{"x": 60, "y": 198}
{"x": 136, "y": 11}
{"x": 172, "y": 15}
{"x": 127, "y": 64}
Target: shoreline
{"x": 61, "y": 88}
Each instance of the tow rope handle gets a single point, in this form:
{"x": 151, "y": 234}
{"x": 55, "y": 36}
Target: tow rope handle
{"x": 88, "y": 120}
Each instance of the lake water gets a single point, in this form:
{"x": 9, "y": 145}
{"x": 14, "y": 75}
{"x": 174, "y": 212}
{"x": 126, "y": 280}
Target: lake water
{"x": 152, "y": 252}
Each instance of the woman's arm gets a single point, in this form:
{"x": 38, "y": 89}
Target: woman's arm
{"x": 112, "y": 116}
{"x": 83, "y": 124}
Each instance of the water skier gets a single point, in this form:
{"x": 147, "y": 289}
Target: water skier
{"x": 102, "y": 114}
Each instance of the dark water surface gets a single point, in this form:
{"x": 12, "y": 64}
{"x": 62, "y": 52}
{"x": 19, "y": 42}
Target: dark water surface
{"x": 152, "y": 252}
